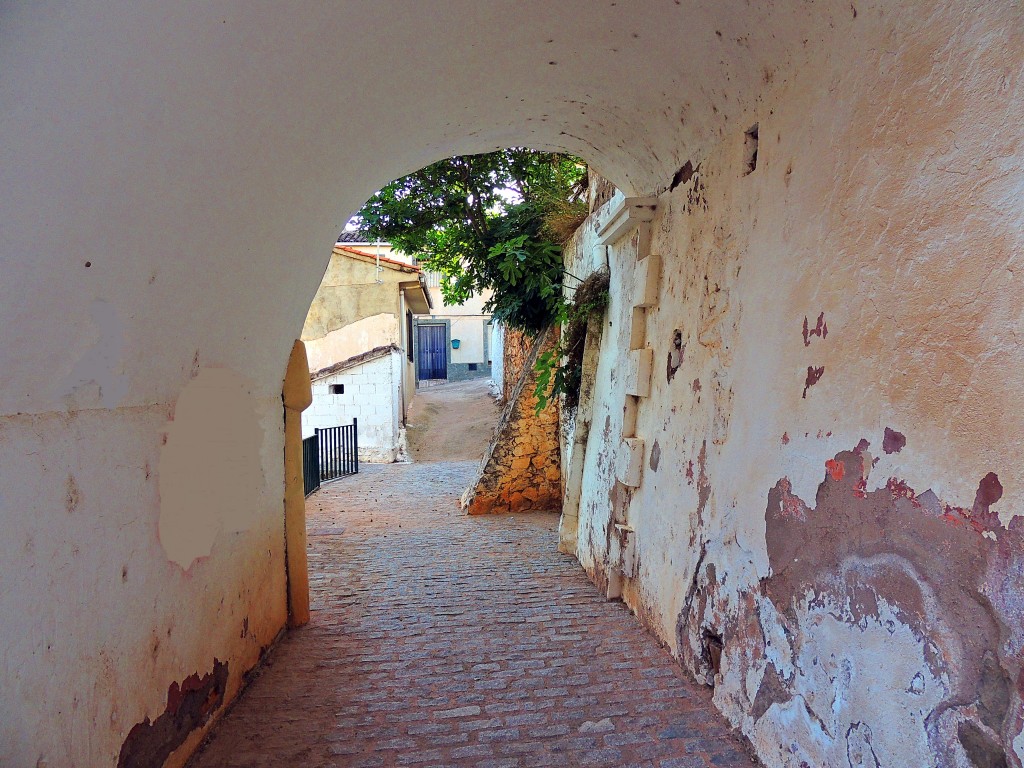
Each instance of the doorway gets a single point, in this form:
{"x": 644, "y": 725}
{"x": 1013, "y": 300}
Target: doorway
{"x": 432, "y": 352}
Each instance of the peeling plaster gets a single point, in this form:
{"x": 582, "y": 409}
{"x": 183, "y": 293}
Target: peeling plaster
{"x": 190, "y": 705}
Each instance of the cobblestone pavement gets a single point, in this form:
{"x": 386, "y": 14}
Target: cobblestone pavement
{"x": 442, "y": 640}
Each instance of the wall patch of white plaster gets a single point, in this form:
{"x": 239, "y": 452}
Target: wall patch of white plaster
{"x": 210, "y": 473}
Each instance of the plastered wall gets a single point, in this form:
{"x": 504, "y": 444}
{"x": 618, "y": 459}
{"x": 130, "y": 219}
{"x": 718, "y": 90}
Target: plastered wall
{"x": 826, "y": 523}
{"x": 354, "y": 291}
{"x": 94, "y": 555}
{"x": 353, "y": 339}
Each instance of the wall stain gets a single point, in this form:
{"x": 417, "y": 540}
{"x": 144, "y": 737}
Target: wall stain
{"x": 893, "y": 441}
{"x": 655, "y": 456}
{"x": 813, "y": 377}
{"x": 820, "y": 329}
{"x": 682, "y": 176}
{"x": 72, "y": 496}
{"x": 675, "y": 355}
{"x": 190, "y": 705}
{"x": 835, "y": 468}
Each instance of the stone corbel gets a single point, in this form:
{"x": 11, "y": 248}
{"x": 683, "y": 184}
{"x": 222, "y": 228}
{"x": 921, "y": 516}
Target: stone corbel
{"x": 626, "y": 215}
{"x": 647, "y": 282}
{"x": 638, "y": 375}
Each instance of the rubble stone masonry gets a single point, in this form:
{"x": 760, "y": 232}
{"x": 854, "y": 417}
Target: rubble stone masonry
{"x": 521, "y": 470}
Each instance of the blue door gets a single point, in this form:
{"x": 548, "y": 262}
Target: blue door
{"x": 432, "y": 357}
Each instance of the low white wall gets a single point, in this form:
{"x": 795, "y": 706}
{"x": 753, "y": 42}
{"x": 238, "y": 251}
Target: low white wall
{"x": 498, "y": 355}
{"x": 372, "y": 396}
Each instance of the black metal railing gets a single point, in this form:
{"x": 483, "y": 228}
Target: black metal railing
{"x": 311, "y": 464}
{"x": 338, "y": 451}
{"x": 328, "y": 454}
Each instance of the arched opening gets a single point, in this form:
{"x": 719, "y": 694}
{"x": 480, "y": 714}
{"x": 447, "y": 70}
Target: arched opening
{"x": 170, "y": 171}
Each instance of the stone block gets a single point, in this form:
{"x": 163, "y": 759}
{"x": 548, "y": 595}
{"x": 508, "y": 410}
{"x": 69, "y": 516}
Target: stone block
{"x": 647, "y": 281}
{"x": 629, "y": 412}
{"x": 638, "y": 328}
{"x": 638, "y": 373}
{"x": 629, "y": 461}
{"x": 520, "y": 463}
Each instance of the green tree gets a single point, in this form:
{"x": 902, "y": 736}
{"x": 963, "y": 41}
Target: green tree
{"x": 493, "y": 222}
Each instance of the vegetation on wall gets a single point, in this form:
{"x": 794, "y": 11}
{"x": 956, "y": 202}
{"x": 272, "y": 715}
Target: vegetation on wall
{"x": 497, "y": 222}
{"x": 494, "y": 222}
{"x": 560, "y": 371}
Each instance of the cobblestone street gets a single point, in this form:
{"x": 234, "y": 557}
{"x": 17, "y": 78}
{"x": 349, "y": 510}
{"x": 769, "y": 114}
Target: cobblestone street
{"x": 442, "y": 640}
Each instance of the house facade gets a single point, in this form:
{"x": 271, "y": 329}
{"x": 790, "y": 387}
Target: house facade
{"x": 453, "y": 343}
{"x": 450, "y": 342}
{"x": 358, "y": 337}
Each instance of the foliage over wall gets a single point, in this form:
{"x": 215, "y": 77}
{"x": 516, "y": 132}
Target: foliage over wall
{"x": 561, "y": 369}
{"x": 494, "y": 222}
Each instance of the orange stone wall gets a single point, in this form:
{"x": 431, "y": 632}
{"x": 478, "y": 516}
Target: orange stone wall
{"x": 521, "y": 470}
{"x": 517, "y": 348}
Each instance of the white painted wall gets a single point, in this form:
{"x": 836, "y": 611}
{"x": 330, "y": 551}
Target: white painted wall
{"x": 861, "y": 211}
{"x": 470, "y": 333}
{"x": 372, "y": 396}
{"x": 497, "y": 353}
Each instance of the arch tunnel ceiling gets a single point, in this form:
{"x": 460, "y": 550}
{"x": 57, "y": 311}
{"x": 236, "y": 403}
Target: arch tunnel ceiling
{"x": 174, "y": 177}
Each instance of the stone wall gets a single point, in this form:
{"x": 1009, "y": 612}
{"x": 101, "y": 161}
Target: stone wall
{"x": 518, "y": 346}
{"x": 521, "y": 470}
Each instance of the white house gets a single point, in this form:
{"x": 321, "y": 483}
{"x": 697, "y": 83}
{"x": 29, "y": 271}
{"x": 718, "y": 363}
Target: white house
{"x": 367, "y": 387}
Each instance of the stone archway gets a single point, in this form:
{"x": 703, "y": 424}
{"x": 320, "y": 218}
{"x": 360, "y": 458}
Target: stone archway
{"x": 174, "y": 179}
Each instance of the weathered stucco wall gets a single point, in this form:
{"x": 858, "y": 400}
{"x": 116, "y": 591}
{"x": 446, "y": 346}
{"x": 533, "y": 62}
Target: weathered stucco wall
{"x": 360, "y": 336}
{"x": 830, "y": 485}
{"x": 94, "y": 555}
{"x": 353, "y": 290}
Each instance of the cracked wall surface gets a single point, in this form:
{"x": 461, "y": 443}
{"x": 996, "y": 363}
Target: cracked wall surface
{"x": 827, "y": 528}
